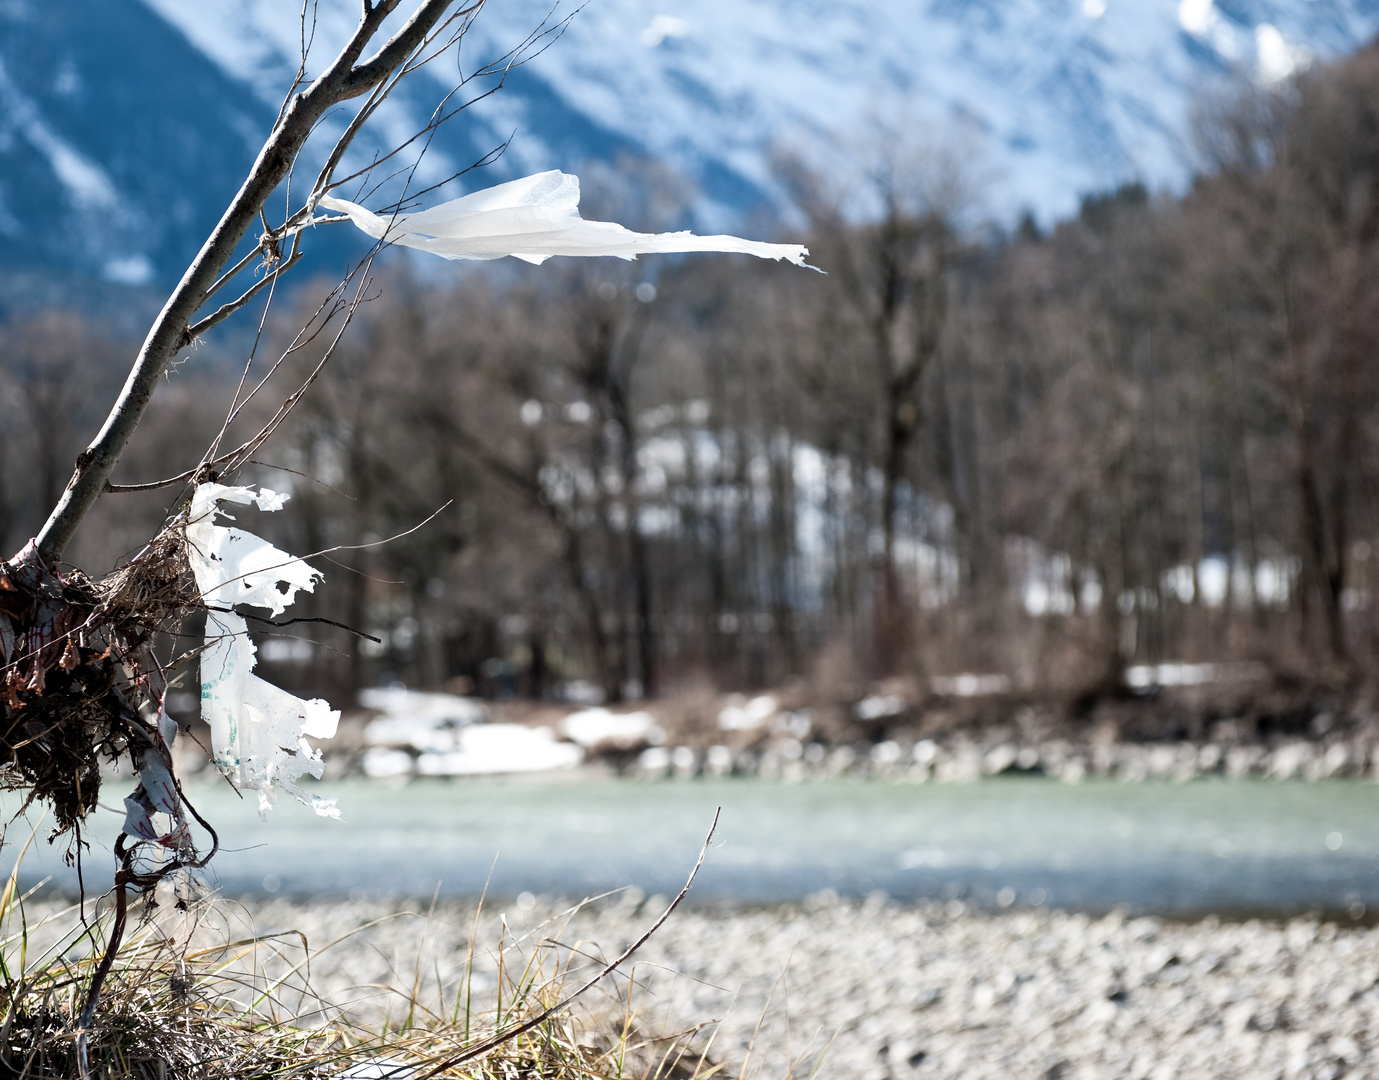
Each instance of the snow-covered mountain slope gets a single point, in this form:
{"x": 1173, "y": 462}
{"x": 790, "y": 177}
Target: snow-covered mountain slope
{"x": 117, "y": 139}
{"x": 1054, "y": 97}
{"x": 124, "y": 124}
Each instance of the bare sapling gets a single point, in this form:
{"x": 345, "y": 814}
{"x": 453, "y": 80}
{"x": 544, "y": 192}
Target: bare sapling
{"x": 81, "y": 681}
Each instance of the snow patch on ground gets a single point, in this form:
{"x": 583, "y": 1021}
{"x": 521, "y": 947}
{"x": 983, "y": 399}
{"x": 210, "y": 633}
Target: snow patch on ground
{"x": 501, "y": 748}
{"x": 598, "y": 726}
{"x": 431, "y": 734}
{"x": 1143, "y": 676}
{"x": 876, "y": 706}
{"x": 740, "y": 715}
{"x": 969, "y": 685}
{"x": 416, "y": 708}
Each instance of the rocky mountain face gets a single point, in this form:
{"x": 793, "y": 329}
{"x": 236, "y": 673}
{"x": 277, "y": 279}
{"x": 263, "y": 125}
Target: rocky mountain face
{"x": 126, "y": 124}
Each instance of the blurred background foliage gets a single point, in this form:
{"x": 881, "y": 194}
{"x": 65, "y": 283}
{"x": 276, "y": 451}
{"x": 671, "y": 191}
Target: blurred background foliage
{"x": 1149, "y": 433}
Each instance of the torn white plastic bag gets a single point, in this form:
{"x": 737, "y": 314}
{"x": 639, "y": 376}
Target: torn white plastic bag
{"x": 236, "y": 567}
{"x": 157, "y": 794}
{"x": 258, "y": 730}
{"x": 532, "y": 219}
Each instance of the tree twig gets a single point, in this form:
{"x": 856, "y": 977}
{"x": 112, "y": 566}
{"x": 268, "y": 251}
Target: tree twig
{"x": 346, "y": 78}
{"x": 226, "y": 310}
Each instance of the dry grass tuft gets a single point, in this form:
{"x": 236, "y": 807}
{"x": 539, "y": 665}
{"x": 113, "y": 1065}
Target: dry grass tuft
{"x": 187, "y": 998}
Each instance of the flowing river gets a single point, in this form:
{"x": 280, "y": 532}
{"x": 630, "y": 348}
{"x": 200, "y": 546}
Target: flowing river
{"x": 1177, "y": 849}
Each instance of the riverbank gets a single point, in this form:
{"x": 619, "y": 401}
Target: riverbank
{"x": 1175, "y": 722}
{"x": 872, "y": 990}
{"x": 1237, "y": 721}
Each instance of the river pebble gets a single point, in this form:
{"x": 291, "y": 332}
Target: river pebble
{"x": 873, "y": 990}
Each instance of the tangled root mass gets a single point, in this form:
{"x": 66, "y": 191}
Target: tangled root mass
{"x": 79, "y": 680}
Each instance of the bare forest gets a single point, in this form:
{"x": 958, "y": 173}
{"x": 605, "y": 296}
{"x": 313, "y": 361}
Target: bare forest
{"x": 1148, "y": 434}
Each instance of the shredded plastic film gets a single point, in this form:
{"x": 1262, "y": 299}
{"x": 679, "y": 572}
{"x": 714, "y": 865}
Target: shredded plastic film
{"x": 259, "y": 731}
{"x": 157, "y": 794}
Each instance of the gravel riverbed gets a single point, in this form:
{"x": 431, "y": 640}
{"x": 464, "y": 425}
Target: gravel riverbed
{"x": 878, "y": 990}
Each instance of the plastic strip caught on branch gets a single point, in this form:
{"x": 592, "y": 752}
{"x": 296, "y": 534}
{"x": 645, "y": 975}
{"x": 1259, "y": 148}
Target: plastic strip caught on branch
{"x": 258, "y": 731}
{"x": 157, "y": 794}
{"x": 532, "y": 219}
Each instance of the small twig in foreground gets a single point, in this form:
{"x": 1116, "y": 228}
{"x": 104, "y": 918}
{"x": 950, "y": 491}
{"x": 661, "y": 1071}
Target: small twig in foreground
{"x": 499, "y": 1038}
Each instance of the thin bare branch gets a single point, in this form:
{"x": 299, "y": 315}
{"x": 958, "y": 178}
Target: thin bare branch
{"x": 523, "y": 53}
{"x": 226, "y": 310}
{"x": 235, "y": 270}
{"x": 344, "y": 79}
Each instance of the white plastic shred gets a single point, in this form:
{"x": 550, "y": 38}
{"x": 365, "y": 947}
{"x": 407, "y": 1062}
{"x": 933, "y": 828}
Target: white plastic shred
{"x": 532, "y": 219}
{"x": 157, "y": 793}
{"x": 258, "y": 731}
{"x": 236, "y": 567}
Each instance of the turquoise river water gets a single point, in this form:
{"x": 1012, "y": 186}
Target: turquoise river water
{"x": 1209, "y": 845}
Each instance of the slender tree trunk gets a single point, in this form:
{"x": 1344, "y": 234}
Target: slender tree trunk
{"x": 587, "y": 592}
{"x": 1321, "y": 582}
{"x": 894, "y": 628}
{"x": 645, "y": 626}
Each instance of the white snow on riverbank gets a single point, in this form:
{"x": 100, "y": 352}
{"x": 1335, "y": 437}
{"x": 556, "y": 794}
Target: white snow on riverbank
{"x": 599, "y": 727}
{"x": 447, "y": 735}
